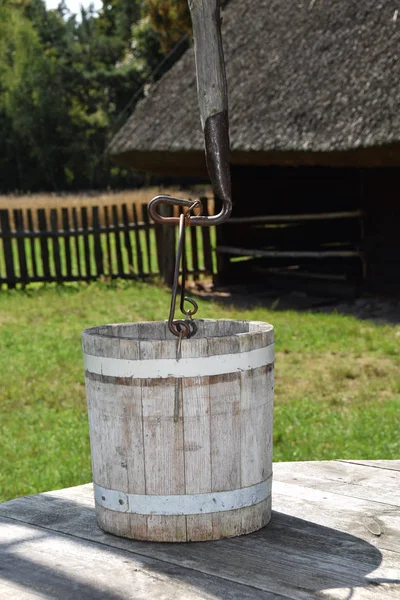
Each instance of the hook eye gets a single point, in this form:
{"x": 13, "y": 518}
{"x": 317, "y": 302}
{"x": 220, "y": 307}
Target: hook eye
{"x": 190, "y": 313}
{"x": 171, "y": 201}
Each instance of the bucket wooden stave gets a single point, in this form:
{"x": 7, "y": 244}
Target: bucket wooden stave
{"x": 205, "y": 476}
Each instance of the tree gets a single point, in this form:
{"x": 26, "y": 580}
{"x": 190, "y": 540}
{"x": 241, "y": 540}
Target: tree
{"x": 170, "y": 19}
{"x": 161, "y": 36}
{"x": 65, "y": 82}
{"x": 29, "y": 100}
{"x": 117, "y": 17}
{"x": 62, "y": 86}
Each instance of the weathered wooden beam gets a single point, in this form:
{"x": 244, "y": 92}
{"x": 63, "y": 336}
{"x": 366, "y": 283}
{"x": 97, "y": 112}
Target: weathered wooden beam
{"x": 287, "y": 253}
{"x": 354, "y": 214}
{"x": 209, "y": 56}
{"x": 213, "y": 102}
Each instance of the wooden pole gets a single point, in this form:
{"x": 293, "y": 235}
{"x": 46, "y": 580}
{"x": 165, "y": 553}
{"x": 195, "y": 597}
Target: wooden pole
{"x": 213, "y": 101}
{"x": 209, "y": 56}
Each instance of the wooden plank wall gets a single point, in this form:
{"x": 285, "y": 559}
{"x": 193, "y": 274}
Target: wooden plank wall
{"x": 88, "y": 243}
{"x": 382, "y": 240}
{"x": 294, "y": 226}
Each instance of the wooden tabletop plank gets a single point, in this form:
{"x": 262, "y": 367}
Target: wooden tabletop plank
{"x": 343, "y": 478}
{"x": 298, "y": 573}
{"x": 319, "y": 542}
{"x": 36, "y": 563}
{"x": 379, "y": 464}
{"x": 9, "y": 589}
{"x": 368, "y": 520}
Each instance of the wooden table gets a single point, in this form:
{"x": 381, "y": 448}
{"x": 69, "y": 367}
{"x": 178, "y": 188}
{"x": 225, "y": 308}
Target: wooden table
{"x": 335, "y": 533}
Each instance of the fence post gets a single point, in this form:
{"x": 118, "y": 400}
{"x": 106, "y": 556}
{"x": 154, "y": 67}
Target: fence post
{"x": 56, "y": 243}
{"x": 19, "y": 230}
{"x": 98, "y": 250}
{"x": 44, "y": 245}
{"x": 207, "y": 249}
{"x": 165, "y": 240}
{"x": 7, "y": 247}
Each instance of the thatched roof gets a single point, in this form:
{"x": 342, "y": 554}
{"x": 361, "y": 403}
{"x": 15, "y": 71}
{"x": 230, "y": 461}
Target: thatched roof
{"x": 307, "y": 79}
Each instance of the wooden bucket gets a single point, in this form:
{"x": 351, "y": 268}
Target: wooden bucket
{"x": 181, "y": 449}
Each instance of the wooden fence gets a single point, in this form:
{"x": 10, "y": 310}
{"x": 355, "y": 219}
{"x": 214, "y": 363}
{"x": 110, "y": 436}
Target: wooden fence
{"x": 84, "y": 244}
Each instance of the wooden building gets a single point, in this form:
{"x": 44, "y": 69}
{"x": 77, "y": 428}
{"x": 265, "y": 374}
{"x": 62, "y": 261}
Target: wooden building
{"x": 314, "y": 93}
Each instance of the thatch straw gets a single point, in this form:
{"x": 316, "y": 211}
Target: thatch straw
{"x": 303, "y": 76}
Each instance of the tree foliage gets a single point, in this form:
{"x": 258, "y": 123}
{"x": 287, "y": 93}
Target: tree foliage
{"x": 169, "y": 18}
{"x": 65, "y": 82}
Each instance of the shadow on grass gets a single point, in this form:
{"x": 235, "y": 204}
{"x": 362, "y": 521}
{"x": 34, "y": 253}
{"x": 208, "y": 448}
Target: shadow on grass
{"x": 53, "y": 547}
{"x": 382, "y": 310}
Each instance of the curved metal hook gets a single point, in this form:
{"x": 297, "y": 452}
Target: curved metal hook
{"x": 189, "y": 313}
{"x": 216, "y": 135}
{"x": 170, "y": 201}
{"x": 182, "y": 328}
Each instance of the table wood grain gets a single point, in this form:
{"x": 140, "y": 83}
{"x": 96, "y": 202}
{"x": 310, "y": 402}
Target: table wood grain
{"x": 334, "y": 534}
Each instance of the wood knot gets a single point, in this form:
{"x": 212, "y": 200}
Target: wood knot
{"x": 373, "y": 525}
{"x": 192, "y": 447}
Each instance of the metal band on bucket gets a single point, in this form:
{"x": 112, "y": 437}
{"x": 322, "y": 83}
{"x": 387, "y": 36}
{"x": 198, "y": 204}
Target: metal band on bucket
{"x": 185, "y": 367}
{"x": 182, "y": 504}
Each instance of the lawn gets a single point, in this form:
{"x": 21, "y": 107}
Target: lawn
{"x": 337, "y": 380}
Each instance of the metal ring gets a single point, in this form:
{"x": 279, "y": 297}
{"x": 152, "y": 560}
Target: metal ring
{"x": 180, "y": 327}
{"x": 190, "y": 313}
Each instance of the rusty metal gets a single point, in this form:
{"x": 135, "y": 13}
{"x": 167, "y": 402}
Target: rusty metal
{"x": 216, "y": 137}
{"x": 170, "y": 201}
{"x": 182, "y": 328}
{"x": 216, "y": 141}
{"x": 178, "y": 381}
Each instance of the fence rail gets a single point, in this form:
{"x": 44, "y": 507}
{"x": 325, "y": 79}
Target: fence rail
{"x": 87, "y": 243}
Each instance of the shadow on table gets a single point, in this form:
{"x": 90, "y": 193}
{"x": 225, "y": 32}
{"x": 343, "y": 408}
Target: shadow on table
{"x": 36, "y": 580}
{"x": 291, "y": 557}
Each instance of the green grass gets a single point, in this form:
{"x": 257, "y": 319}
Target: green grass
{"x": 337, "y": 380}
